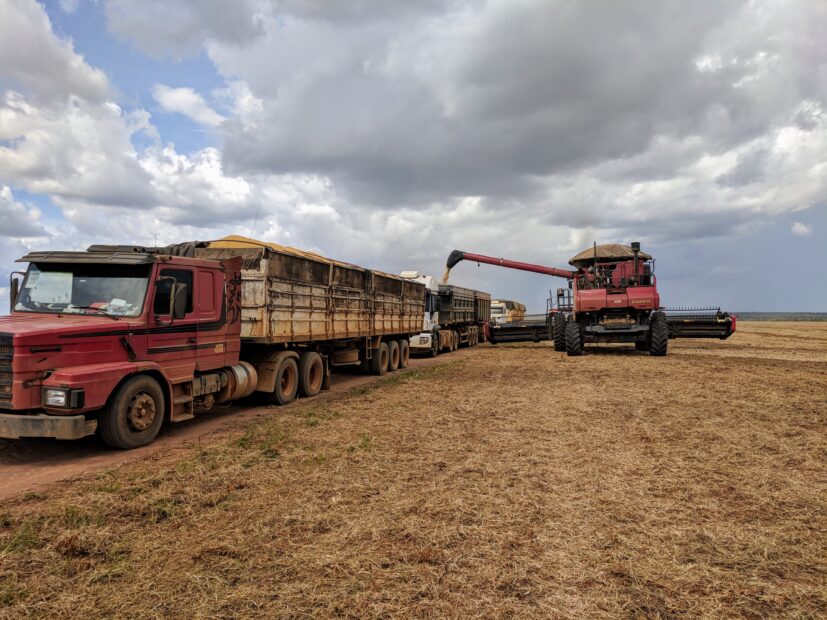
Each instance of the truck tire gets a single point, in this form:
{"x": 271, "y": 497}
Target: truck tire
{"x": 574, "y": 339}
{"x": 404, "y": 353}
{"x": 658, "y": 334}
{"x": 311, "y": 373}
{"x": 134, "y": 415}
{"x": 456, "y": 340}
{"x": 287, "y": 383}
{"x": 558, "y": 331}
{"x": 393, "y": 355}
{"x": 434, "y": 344}
{"x": 379, "y": 361}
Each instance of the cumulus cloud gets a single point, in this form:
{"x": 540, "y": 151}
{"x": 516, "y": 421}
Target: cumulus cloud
{"x": 800, "y": 229}
{"x": 180, "y": 27}
{"x": 187, "y": 102}
{"x": 386, "y": 133}
{"x": 18, "y": 219}
{"x": 34, "y": 58}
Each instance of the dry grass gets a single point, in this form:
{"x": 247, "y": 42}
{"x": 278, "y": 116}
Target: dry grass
{"x": 514, "y": 483}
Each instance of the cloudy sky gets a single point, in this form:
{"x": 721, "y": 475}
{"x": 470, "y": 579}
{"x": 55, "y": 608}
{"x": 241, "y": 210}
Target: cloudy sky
{"x": 389, "y": 133}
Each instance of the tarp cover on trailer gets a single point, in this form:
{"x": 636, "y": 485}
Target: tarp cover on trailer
{"x": 606, "y": 253}
{"x": 237, "y": 241}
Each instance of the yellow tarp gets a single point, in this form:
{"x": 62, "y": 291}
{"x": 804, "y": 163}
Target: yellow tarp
{"x": 237, "y": 241}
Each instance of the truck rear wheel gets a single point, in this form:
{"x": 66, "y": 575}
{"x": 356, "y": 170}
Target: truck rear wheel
{"x": 404, "y": 353}
{"x": 287, "y": 383}
{"x": 558, "y": 331}
{"x": 456, "y": 341}
{"x": 574, "y": 338}
{"x": 379, "y": 361}
{"x": 134, "y": 415}
{"x": 393, "y": 355}
{"x": 311, "y": 373}
{"x": 658, "y": 334}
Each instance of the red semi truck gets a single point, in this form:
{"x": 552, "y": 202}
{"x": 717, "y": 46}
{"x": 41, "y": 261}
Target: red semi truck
{"x": 118, "y": 340}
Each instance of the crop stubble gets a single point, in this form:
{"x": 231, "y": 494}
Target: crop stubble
{"x": 513, "y": 482}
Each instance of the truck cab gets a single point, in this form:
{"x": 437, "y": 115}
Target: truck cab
{"x": 118, "y": 342}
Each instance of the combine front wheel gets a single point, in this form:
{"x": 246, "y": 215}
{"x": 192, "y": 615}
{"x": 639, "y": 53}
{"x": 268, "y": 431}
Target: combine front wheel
{"x": 558, "y": 331}
{"x": 574, "y": 338}
{"x": 658, "y": 334}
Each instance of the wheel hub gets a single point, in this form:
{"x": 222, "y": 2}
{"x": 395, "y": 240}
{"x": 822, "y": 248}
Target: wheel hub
{"x": 141, "y": 412}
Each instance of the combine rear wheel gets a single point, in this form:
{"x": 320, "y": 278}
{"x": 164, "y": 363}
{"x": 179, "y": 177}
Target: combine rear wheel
{"x": 658, "y": 334}
{"x": 574, "y": 338}
{"x": 558, "y": 331}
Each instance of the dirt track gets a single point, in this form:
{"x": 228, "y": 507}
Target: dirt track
{"x": 30, "y": 464}
{"x": 511, "y": 481}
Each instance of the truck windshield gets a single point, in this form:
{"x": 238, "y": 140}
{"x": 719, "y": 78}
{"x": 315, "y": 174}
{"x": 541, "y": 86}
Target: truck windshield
{"x": 115, "y": 290}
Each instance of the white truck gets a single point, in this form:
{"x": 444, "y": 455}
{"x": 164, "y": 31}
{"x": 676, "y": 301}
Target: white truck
{"x": 454, "y": 316}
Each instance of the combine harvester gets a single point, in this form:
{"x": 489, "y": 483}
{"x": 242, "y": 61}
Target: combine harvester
{"x": 615, "y": 300}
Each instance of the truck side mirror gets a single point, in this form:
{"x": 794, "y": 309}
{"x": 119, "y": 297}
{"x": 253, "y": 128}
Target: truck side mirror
{"x": 164, "y": 302}
{"x": 14, "y": 289}
{"x": 178, "y": 305}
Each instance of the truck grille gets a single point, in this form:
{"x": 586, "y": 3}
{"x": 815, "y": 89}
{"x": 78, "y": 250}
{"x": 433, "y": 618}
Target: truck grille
{"x": 6, "y": 352}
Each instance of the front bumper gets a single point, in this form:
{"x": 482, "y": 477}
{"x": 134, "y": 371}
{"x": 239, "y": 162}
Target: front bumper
{"x": 421, "y": 342}
{"x": 13, "y": 426}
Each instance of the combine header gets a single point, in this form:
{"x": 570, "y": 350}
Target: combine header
{"x": 699, "y": 323}
{"x": 615, "y": 299}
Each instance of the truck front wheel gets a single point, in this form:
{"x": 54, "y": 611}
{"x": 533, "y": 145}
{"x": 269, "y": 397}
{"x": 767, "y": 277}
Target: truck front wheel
{"x": 134, "y": 415}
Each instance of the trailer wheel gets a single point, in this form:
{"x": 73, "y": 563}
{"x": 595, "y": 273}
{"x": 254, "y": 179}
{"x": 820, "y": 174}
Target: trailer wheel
{"x": 404, "y": 353}
{"x": 379, "y": 361}
{"x": 287, "y": 383}
{"x": 558, "y": 331}
{"x": 135, "y": 414}
{"x": 574, "y": 338}
{"x": 456, "y": 341}
{"x": 311, "y": 373}
{"x": 658, "y": 334}
{"x": 393, "y": 355}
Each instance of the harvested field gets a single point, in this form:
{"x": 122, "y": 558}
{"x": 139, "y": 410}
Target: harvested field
{"x": 510, "y": 482}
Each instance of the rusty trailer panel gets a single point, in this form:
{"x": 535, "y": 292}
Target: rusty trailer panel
{"x": 289, "y": 296}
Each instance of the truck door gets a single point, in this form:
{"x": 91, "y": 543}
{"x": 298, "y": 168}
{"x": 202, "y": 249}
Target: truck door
{"x": 173, "y": 342}
{"x": 211, "y": 336}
